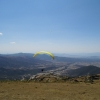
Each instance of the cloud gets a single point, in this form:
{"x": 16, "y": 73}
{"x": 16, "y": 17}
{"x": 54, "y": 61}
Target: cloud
{"x": 1, "y": 33}
{"x": 13, "y": 42}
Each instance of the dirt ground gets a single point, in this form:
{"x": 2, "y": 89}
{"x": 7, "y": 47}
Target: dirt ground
{"x": 49, "y": 91}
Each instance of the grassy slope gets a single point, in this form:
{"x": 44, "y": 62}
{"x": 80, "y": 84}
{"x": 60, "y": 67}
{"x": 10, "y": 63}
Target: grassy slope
{"x": 49, "y": 91}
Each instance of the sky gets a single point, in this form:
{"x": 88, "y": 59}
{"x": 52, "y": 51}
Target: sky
{"x": 57, "y": 26}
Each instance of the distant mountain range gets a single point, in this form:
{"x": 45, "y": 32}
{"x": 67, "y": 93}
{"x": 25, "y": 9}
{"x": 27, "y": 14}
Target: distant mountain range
{"x": 19, "y": 60}
{"x": 78, "y": 55}
{"x": 26, "y": 59}
{"x": 69, "y": 59}
{"x": 72, "y": 55}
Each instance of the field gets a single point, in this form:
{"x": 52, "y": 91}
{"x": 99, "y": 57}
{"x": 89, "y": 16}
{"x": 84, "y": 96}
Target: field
{"x": 49, "y": 91}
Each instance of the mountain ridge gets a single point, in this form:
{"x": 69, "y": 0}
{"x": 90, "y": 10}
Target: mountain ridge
{"x": 86, "y": 70}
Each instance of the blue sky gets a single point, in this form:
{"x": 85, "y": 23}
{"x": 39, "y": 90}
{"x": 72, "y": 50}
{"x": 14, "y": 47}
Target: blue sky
{"x": 58, "y": 26}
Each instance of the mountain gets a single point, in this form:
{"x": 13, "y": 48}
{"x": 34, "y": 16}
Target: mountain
{"x": 57, "y": 58}
{"x": 78, "y": 55}
{"x": 84, "y": 71}
{"x": 19, "y": 61}
{"x": 18, "y": 54}
{"x": 69, "y": 59}
{"x": 15, "y": 66}
{"x": 26, "y": 60}
{"x": 11, "y": 74}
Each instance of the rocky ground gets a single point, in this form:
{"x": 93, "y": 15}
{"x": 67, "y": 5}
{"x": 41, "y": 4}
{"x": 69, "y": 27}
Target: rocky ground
{"x": 57, "y": 78}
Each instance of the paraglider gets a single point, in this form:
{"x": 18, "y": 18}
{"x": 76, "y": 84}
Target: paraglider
{"x": 42, "y": 70}
{"x": 44, "y": 52}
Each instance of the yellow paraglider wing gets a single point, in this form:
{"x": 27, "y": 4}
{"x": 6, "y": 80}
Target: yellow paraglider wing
{"x": 44, "y": 52}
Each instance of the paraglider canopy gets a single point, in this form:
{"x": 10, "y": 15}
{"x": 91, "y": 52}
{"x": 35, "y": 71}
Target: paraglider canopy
{"x": 44, "y": 52}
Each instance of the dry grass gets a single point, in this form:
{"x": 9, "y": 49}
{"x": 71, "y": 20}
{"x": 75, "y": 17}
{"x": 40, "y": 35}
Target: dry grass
{"x": 49, "y": 91}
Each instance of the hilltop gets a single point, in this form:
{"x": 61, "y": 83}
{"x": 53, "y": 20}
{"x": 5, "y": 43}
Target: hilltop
{"x": 66, "y": 89}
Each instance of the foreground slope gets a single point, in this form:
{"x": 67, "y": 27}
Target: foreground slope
{"x": 49, "y": 91}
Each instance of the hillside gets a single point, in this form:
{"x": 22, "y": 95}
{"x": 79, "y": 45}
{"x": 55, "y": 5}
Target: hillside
{"x": 49, "y": 91}
{"x": 57, "y": 58}
{"x": 23, "y": 65}
{"x": 86, "y": 70}
{"x": 19, "y": 61}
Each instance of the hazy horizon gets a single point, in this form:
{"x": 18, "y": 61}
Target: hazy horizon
{"x": 62, "y": 54}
